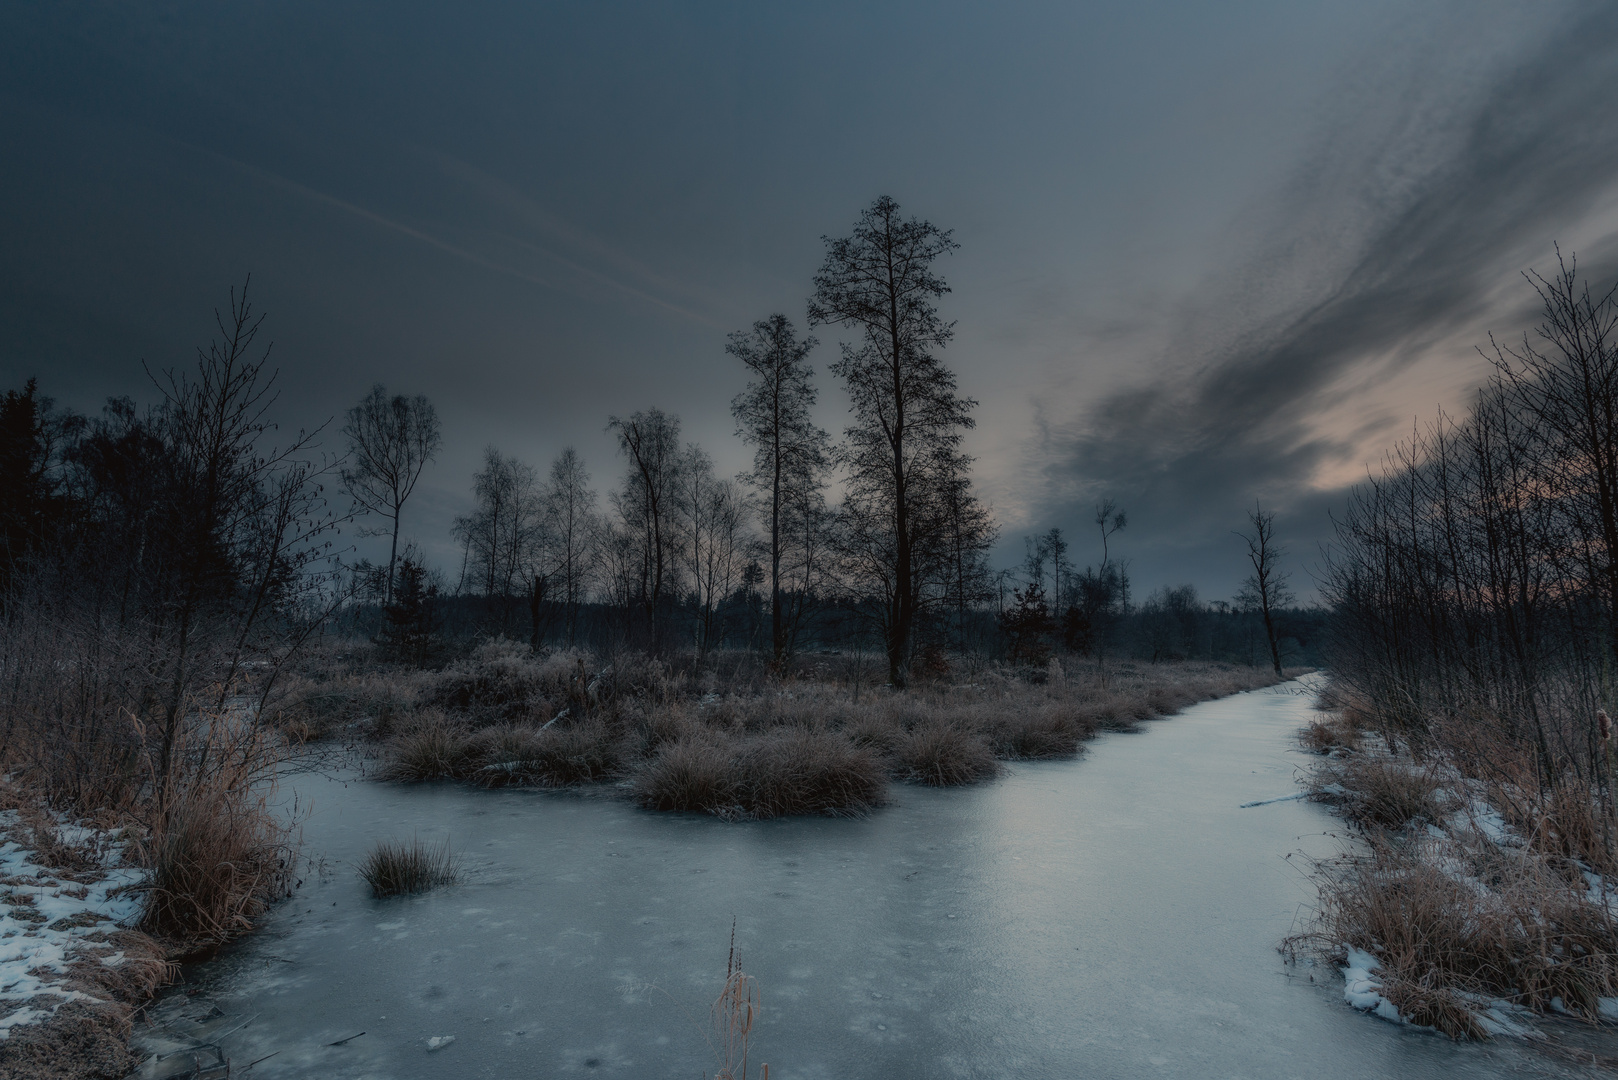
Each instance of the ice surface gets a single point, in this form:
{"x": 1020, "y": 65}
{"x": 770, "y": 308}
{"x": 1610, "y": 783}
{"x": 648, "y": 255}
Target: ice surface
{"x": 1111, "y": 917}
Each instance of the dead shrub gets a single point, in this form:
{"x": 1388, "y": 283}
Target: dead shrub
{"x": 394, "y": 868}
{"x": 945, "y": 754}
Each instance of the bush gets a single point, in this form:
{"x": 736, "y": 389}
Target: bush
{"x": 397, "y": 869}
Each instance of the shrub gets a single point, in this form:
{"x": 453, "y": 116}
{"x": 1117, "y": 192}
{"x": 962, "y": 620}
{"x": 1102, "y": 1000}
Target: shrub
{"x": 394, "y": 868}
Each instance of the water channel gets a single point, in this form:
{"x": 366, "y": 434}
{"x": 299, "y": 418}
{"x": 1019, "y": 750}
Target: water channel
{"x": 1114, "y": 916}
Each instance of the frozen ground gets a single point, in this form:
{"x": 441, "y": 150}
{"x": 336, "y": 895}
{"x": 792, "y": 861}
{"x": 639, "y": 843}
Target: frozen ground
{"x": 1115, "y": 916}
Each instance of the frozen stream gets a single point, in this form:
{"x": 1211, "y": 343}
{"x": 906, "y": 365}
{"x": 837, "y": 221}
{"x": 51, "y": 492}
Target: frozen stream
{"x": 1116, "y": 916}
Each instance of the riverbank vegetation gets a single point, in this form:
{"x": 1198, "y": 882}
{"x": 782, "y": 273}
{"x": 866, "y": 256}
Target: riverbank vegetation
{"x": 1474, "y": 588}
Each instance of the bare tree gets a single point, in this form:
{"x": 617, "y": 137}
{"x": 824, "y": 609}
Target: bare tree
{"x": 570, "y": 510}
{"x": 902, "y": 450}
{"x": 503, "y": 537}
{"x": 712, "y": 515}
{"x": 1266, "y": 587}
{"x": 651, "y": 442}
{"x": 390, "y": 441}
{"x": 789, "y": 461}
{"x": 1109, "y": 519}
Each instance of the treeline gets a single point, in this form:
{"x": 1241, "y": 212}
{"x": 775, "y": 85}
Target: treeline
{"x": 676, "y": 556}
{"x": 1474, "y": 581}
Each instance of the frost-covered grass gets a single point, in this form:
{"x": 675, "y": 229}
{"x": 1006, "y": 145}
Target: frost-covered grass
{"x": 1449, "y": 913}
{"x": 737, "y": 741}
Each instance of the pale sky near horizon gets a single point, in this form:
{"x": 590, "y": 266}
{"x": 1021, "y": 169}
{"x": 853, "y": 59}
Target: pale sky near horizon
{"x": 1209, "y": 253}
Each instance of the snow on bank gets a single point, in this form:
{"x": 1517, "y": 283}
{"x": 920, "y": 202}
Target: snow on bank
{"x": 52, "y": 920}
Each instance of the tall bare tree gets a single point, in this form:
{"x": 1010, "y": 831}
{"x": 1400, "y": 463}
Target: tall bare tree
{"x": 570, "y": 510}
{"x": 1266, "y": 587}
{"x": 712, "y": 513}
{"x": 651, "y": 441}
{"x": 790, "y": 453}
{"x": 902, "y": 449}
{"x": 503, "y": 537}
{"x": 390, "y": 441}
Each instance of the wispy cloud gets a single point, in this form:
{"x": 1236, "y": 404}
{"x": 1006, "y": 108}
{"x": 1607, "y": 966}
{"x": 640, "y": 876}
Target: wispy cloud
{"x": 1421, "y": 221}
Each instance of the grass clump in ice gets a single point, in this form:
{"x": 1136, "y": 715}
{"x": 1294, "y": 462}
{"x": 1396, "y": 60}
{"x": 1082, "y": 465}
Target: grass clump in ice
{"x": 395, "y": 868}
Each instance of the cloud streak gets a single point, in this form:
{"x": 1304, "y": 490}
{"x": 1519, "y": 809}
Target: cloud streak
{"x": 1423, "y": 220}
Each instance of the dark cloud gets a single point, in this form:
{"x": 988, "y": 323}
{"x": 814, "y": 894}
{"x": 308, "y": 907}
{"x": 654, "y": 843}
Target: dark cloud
{"x": 1422, "y": 207}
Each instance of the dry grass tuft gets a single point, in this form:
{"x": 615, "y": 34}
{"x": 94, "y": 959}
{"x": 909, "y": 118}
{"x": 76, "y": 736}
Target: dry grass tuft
{"x": 1381, "y": 792}
{"x": 555, "y": 757}
{"x": 945, "y": 754}
{"x": 394, "y": 868}
{"x": 796, "y": 771}
{"x": 431, "y": 748}
{"x": 1326, "y": 735}
{"x": 218, "y": 858}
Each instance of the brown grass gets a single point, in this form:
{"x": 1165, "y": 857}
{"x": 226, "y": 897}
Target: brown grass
{"x": 945, "y": 754}
{"x": 1378, "y": 792}
{"x": 1448, "y": 944}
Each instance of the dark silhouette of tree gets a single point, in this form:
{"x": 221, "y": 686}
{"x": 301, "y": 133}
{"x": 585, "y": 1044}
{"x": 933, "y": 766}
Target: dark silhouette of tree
{"x": 790, "y": 454}
{"x": 409, "y": 622}
{"x": 390, "y": 441}
{"x": 651, "y": 442}
{"x": 572, "y": 525}
{"x": 902, "y": 451}
{"x": 1027, "y": 626}
{"x": 1265, "y": 589}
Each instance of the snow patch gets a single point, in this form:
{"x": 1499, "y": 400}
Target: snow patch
{"x": 46, "y": 915}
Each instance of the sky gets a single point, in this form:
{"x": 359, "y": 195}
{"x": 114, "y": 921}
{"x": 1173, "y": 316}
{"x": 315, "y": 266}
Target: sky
{"x": 1210, "y": 254}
